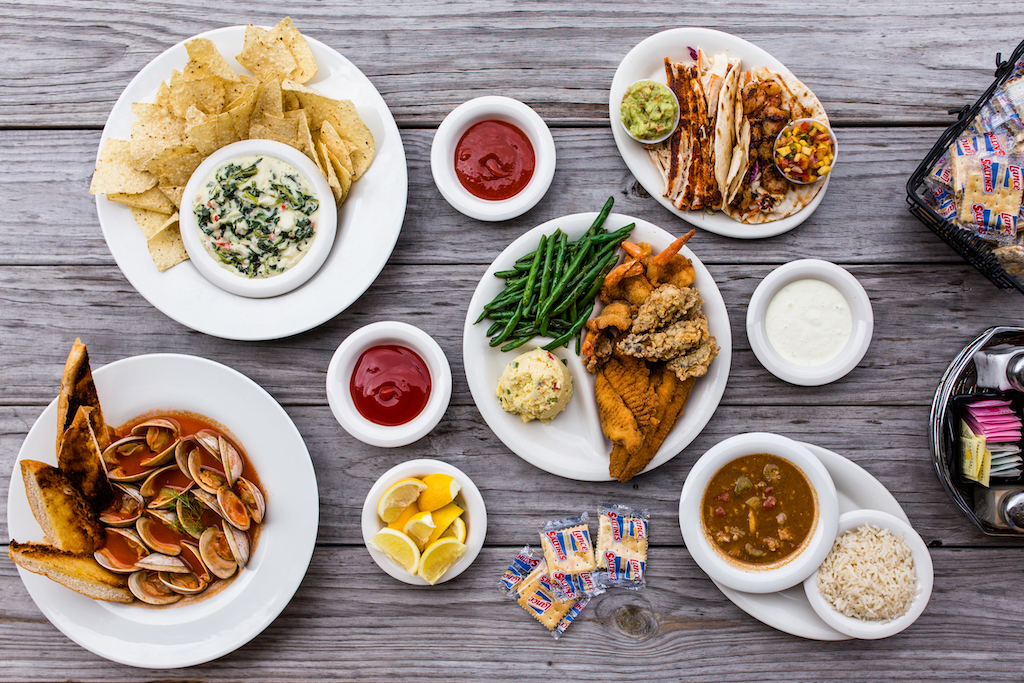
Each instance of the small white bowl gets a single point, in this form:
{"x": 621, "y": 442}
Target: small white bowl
{"x": 860, "y": 310}
{"x": 870, "y": 630}
{"x": 469, "y": 499}
{"x": 455, "y": 125}
{"x": 339, "y": 375}
{"x": 770, "y": 578}
{"x": 260, "y": 288}
{"x": 671, "y": 129}
{"x": 835, "y": 149}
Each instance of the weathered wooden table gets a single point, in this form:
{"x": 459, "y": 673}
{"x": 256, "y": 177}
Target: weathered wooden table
{"x": 887, "y": 73}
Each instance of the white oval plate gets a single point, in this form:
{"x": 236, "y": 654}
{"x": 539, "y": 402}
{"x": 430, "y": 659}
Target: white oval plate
{"x": 789, "y": 611}
{"x": 573, "y": 445}
{"x": 377, "y": 199}
{"x": 647, "y": 60}
{"x": 169, "y": 638}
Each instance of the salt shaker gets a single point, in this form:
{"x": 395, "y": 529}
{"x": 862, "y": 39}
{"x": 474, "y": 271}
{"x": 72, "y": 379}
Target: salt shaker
{"x": 1002, "y": 507}
{"x": 1000, "y": 367}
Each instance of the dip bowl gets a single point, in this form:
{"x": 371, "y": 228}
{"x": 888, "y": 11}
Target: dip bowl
{"x": 343, "y": 363}
{"x": 259, "y": 288}
{"x": 835, "y": 150}
{"x": 469, "y": 499}
{"x": 747, "y": 577}
{"x": 455, "y": 125}
{"x": 860, "y": 310}
{"x": 671, "y": 129}
{"x": 862, "y": 628}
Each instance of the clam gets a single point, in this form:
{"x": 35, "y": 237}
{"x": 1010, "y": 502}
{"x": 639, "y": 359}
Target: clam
{"x": 207, "y": 499}
{"x": 126, "y": 507}
{"x": 150, "y": 489}
{"x": 191, "y": 556}
{"x": 233, "y": 509}
{"x": 146, "y": 586}
{"x": 161, "y": 458}
{"x": 216, "y": 553}
{"x": 252, "y": 498}
{"x": 190, "y": 517}
{"x": 239, "y": 542}
{"x": 219, "y": 446}
{"x": 162, "y": 563}
{"x": 126, "y": 447}
{"x": 146, "y": 528}
{"x": 160, "y": 433}
{"x": 208, "y": 478}
{"x": 183, "y": 584}
{"x": 181, "y": 453}
{"x": 122, "y": 550}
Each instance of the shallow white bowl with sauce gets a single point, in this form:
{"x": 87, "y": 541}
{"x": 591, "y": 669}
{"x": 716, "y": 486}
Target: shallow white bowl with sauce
{"x": 861, "y": 319}
{"x": 862, "y": 628}
{"x": 455, "y": 125}
{"x": 343, "y": 363}
{"x": 469, "y": 499}
{"x": 751, "y": 578}
{"x": 671, "y": 129}
{"x": 296, "y": 275}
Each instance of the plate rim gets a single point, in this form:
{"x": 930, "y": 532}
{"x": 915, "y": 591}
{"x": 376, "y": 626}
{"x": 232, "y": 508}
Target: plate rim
{"x": 481, "y": 393}
{"x": 299, "y": 561}
{"x": 718, "y": 223}
{"x": 755, "y": 605}
{"x": 399, "y": 178}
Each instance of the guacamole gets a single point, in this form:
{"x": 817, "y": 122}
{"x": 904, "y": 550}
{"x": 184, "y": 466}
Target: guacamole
{"x": 648, "y": 110}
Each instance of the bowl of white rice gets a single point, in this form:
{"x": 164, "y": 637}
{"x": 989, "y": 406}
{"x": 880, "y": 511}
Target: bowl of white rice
{"x": 876, "y": 580}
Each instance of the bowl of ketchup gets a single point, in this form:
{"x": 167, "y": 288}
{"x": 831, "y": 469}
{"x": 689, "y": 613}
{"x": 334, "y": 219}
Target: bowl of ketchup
{"x": 389, "y": 384}
{"x": 493, "y": 158}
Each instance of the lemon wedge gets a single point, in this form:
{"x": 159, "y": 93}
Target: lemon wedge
{"x": 399, "y": 548}
{"x": 439, "y": 557}
{"x": 443, "y": 518}
{"x": 419, "y": 527}
{"x": 407, "y": 513}
{"x": 456, "y": 530}
{"x": 441, "y": 489}
{"x": 397, "y": 498}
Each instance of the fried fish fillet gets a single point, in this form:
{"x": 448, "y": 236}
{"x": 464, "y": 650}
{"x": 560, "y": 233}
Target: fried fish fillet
{"x": 672, "y": 396}
{"x": 80, "y": 573}
{"x": 77, "y": 389}
{"x": 68, "y": 521}
{"x": 79, "y": 457}
{"x": 626, "y": 401}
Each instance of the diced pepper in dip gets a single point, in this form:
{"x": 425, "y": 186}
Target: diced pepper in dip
{"x": 804, "y": 151}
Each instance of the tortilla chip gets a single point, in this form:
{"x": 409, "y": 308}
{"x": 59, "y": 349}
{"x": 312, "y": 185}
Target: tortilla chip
{"x": 235, "y": 89}
{"x": 204, "y": 61}
{"x": 207, "y": 94}
{"x": 116, "y": 173}
{"x": 174, "y": 165}
{"x": 201, "y": 131}
{"x": 291, "y": 102}
{"x": 343, "y": 116}
{"x": 344, "y": 176}
{"x": 304, "y": 137}
{"x": 238, "y": 115}
{"x": 332, "y": 177}
{"x": 336, "y": 145}
{"x": 77, "y": 389}
{"x": 173, "y": 192}
{"x": 285, "y": 32}
{"x": 149, "y": 222}
{"x": 150, "y": 200}
{"x": 163, "y": 96}
{"x": 166, "y": 246}
{"x": 274, "y": 128}
{"x": 269, "y": 102}
{"x": 155, "y": 130}
{"x": 265, "y": 56}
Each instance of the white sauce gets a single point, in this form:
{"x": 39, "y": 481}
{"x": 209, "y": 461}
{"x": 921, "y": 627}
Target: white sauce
{"x": 808, "y": 322}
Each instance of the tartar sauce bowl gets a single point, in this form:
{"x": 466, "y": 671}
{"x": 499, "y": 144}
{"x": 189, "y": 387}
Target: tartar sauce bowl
{"x": 455, "y": 125}
{"x": 296, "y": 275}
{"x": 343, "y": 363}
{"x": 671, "y": 129}
{"x": 469, "y": 499}
{"x": 751, "y": 578}
{"x": 860, "y": 334}
{"x": 869, "y": 630}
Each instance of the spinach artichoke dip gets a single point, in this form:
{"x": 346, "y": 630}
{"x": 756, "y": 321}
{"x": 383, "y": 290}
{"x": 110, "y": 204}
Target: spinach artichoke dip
{"x": 257, "y": 215}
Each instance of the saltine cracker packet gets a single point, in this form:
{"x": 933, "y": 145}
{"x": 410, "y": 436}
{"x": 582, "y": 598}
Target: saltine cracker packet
{"x": 622, "y": 545}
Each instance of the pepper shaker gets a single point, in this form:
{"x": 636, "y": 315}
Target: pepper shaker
{"x": 1000, "y": 367}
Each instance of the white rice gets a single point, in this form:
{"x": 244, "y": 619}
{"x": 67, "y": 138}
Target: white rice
{"x": 869, "y": 574}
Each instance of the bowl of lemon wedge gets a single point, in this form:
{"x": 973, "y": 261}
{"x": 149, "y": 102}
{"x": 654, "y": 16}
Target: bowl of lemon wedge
{"x": 424, "y": 522}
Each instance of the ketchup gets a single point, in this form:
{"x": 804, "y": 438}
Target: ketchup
{"x": 494, "y": 160}
{"x": 390, "y": 385}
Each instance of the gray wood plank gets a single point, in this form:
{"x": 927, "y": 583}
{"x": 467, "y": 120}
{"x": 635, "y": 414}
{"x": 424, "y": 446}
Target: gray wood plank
{"x": 349, "y": 621}
{"x": 66, "y": 63}
{"x": 862, "y": 219}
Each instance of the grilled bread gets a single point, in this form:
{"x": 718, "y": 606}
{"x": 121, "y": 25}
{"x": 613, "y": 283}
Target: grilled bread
{"x": 68, "y": 521}
{"x": 80, "y": 458}
{"x": 77, "y": 389}
{"x": 80, "y": 573}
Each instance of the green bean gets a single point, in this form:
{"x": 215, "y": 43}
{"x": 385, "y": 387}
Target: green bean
{"x": 517, "y": 342}
{"x": 493, "y": 329}
{"x": 549, "y": 253}
{"x": 508, "y": 294}
{"x": 575, "y": 329}
{"x": 531, "y": 279}
{"x": 556, "y": 292}
{"x": 585, "y": 284}
{"x": 506, "y": 274}
{"x": 601, "y": 216}
{"x": 511, "y": 325}
{"x": 619, "y": 235}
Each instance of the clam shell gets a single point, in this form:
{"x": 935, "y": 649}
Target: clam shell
{"x": 162, "y": 563}
{"x": 252, "y": 498}
{"x": 145, "y": 528}
{"x": 188, "y": 520}
{"x": 191, "y": 550}
{"x": 108, "y": 561}
{"x": 231, "y": 459}
{"x": 147, "y": 587}
{"x": 233, "y": 509}
{"x": 112, "y": 455}
{"x": 131, "y": 507}
{"x": 183, "y": 584}
{"x": 239, "y": 542}
{"x": 181, "y": 452}
{"x": 208, "y": 479}
{"x": 159, "y": 432}
{"x": 217, "y": 554}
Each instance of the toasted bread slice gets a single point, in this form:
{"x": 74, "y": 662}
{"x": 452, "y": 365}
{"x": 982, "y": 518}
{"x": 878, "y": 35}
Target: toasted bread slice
{"x": 77, "y": 389}
{"x": 68, "y": 521}
{"x": 80, "y": 573}
{"x": 79, "y": 457}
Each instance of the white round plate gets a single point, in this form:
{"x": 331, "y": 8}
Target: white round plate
{"x": 469, "y": 499}
{"x": 647, "y": 60}
{"x": 789, "y": 611}
{"x": 169, "y": 638}
{"x": 573, "y": 445}
{"x": 377, "y": 199}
